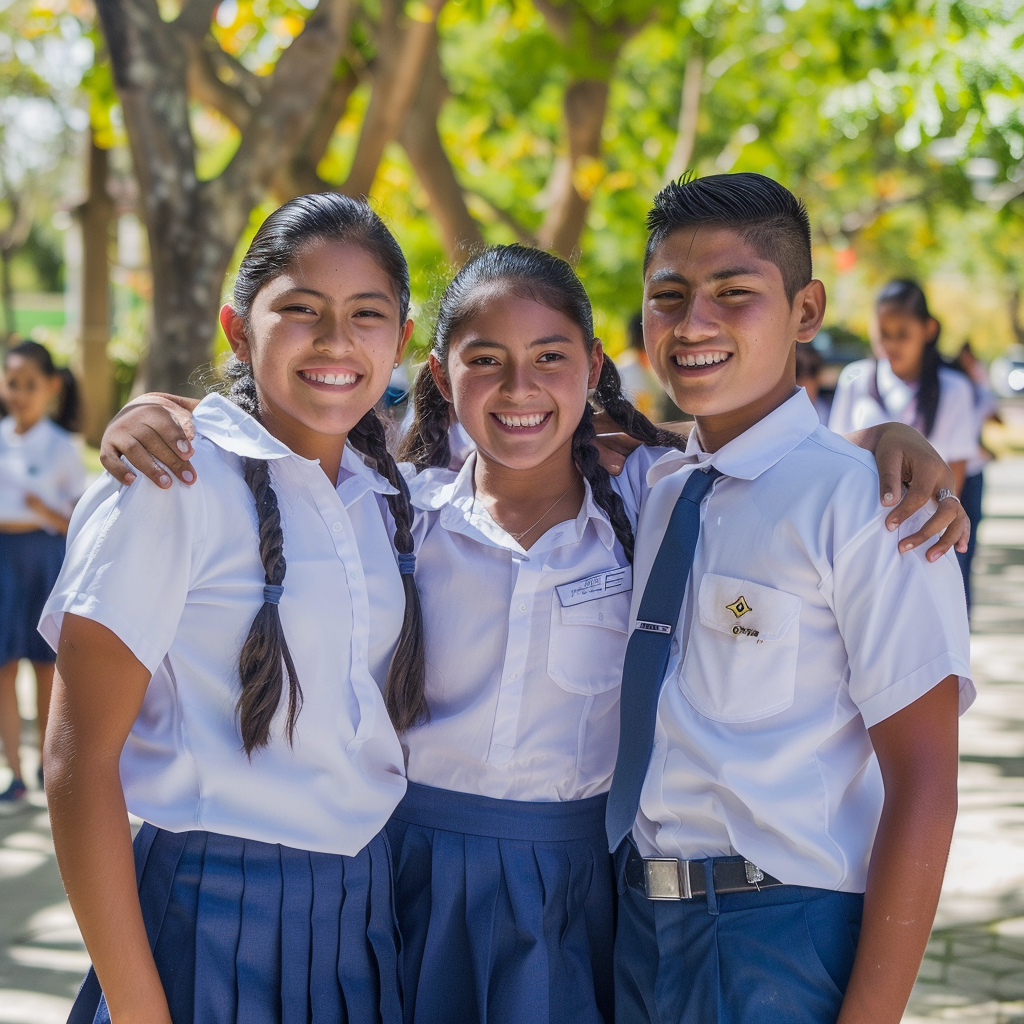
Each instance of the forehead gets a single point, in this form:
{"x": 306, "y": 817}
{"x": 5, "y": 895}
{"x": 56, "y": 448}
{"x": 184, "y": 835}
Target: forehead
{"x": 336, "y": 268}
{"x": 707, "y": 252}
{"x": 22, "y": 367}
{"x": 505, "y": 316}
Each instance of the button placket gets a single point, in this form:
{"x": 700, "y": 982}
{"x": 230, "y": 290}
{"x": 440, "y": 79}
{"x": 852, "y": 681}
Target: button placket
{"x": 513, "y": 678}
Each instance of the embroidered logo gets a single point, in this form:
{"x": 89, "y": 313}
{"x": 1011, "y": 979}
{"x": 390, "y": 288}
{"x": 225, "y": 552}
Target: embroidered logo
{"x": 739, "y": 607}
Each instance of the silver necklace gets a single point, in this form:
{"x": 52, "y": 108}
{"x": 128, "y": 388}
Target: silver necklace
{"x": 519, "y": 536}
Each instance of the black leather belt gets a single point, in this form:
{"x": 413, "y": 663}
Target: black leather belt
{"x": 660, "y": 878}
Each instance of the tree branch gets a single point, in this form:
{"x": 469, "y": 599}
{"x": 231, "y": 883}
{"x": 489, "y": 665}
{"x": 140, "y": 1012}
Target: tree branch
{"x": 689, "y": 109}
{"x": 422, "y": 143}
{"x": 522, "y": 233}
{"x": 195, "y": 17}
{"x": 397, "y": 73}
{"x": 233, "y": 100}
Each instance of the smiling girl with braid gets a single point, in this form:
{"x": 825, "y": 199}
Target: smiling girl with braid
{"x": 218, "y": 676}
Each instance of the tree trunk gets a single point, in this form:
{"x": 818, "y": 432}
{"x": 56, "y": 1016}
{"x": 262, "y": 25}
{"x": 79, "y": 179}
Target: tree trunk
{"x": 422, "y": 143}
{"x": 96, "y": 215}
{"x": 1016, "y": 322}
{"x": 586, "y": 101}
{"x": 7, "y": 295}
{"x": 689, "y": 109}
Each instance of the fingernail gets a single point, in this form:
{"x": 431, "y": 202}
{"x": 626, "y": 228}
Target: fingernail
{"x": 188, "y": 477}
{"x": 129, "y": 478}
{"x": 891, "y": 524}
{"x": 165, "y": 481}
{"x": 904, "y": 547}
{"x": 183, "y": 446}
{"x": 887, "y": 498}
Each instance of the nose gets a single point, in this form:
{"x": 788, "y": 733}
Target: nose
{"x": 697, "y": 324}
{"x": 518, "y": 382}
{"x": 333, "y": 337}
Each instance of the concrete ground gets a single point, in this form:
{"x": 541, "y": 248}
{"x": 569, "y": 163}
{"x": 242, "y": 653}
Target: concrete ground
{"x": 974, "y": 967}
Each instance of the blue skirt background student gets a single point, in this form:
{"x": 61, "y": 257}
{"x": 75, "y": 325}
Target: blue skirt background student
{"x": 41, "y": 478}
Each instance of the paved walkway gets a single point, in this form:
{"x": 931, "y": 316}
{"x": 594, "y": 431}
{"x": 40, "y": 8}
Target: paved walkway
{"x": 974, "y": 968}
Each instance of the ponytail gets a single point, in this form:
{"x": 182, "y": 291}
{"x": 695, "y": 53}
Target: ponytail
{"x": 69, "y": 401}
{"x": 404, "y": 692}
{"x": 426, "y": 443}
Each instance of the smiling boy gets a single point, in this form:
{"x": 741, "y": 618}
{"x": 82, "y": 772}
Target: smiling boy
{"x": 785, "y": 790}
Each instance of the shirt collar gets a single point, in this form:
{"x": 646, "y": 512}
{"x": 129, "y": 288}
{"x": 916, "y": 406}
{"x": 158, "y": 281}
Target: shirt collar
{"x": 235, "y": 431}
{"x": 454, "y": 496}
{"x": 756, "y": 450}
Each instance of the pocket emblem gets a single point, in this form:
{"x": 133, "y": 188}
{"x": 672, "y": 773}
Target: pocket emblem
{"x": 739, "y": 607}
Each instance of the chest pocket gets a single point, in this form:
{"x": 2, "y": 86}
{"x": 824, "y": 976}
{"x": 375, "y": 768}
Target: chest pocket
{"x": 740, "y": 660}
{"x": 587, "y": 644}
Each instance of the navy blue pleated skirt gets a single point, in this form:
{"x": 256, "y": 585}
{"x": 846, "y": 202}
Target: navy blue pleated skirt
{"x": 29, "y": 566}
{"x": 263, "y": 934}
{"x": 506, "y": 909}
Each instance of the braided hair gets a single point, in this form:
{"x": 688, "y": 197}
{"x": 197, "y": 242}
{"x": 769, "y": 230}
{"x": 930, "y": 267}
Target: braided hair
{"x": 908, "y": 297}
{"x": 265, "y": 660}
{"x": 547, "y": 279}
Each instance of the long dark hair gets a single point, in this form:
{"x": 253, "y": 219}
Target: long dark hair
{"x": 69, "y": 400}
{"x": 265, "y": 659}
{"x": 549, "y": 280}
{"x": 908, "y": 297}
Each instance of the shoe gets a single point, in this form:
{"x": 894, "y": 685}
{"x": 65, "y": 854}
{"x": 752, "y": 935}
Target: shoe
{"x": 13, "y": 798}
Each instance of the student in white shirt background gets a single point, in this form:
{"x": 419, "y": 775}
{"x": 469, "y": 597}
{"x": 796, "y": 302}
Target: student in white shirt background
{"x": 247, "y": 726}
{"x": 41, "y": 478}
{"x": 909, "y": 382}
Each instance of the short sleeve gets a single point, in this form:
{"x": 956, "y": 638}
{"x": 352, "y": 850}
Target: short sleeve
{"x": 903, "y": 620}
{"x": 631, "y": 484}
{"x": 72, "y": 475}
{"x": 129, "y": 563}
{"x": 840, "y": 417}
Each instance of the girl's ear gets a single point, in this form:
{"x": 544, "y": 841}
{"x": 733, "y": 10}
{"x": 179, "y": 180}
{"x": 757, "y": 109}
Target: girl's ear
{"x": 437, "y": 371}
{"x": 932, "y": 329}
{"x": 403, "y": 341}
{"x": 596, "y": 363}
{"x": 234, "y": 330}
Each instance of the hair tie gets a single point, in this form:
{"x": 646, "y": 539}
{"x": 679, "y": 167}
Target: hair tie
{"x": 407, "y": 564}
{"x": 272, "y": 594}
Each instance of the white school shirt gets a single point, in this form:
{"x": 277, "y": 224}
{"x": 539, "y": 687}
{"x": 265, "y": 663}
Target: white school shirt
{"x": 986, "y": 405}
{"x": 524, "y": 648}
{"x": 177, "y": 576}
{"x": 856, "y": 405}
{"x": 43, "y": 461}
{"x": 802, "y": 627}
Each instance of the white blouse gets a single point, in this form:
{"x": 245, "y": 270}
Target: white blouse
{"x": 177, "y": 576}
{"x": 43, "y": 461}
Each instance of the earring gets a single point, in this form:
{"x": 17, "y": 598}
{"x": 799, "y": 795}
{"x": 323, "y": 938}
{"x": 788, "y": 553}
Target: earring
{"x": 395, "y": 366}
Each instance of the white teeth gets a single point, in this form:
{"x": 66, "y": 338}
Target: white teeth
{"x": 700, "y": 358}
{"x": 337, "y": 379}
{"x": 533, "y": 420}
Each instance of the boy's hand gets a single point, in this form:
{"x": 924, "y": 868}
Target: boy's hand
{"x": 148, "y": 431}
{"x": 905, "y": 458}
{"x": 614, "y": 445}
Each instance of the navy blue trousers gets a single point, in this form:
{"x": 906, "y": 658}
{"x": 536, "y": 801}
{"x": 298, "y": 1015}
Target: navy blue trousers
{"x": 29, "y": 566}
{"x": 505, "y": 909}
{"x": 779, "y": 956}
{"x": 974, "y": 488}
{"x": 256, "y": 933}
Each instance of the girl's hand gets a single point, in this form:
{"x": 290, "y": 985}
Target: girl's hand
{"x": 47, "y": 514}
{"x": 154, "y": 433}
{"x": 905, "y": 458}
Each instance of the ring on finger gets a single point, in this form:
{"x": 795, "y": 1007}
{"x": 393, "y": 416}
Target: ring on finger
{"x": 945, "y": 492}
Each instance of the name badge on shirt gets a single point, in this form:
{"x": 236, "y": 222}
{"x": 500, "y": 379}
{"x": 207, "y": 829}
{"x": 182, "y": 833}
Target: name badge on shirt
{"x": 604, "y": 584}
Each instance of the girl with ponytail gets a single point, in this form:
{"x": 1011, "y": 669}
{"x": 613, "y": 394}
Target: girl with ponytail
{"x": 41, "y": 478}
{"x": 227, "y": 655}
{"x": 908, "y": 382}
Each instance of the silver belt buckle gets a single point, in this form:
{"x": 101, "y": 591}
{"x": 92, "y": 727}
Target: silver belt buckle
{"x": 667, "y": 879}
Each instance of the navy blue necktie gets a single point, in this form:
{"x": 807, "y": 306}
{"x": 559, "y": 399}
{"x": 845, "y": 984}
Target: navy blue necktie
{"x": 647, "y": 654}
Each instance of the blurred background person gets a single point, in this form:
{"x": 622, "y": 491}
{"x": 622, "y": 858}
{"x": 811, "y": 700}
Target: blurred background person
{"x": 809, "y": 363}
{"x": 986, "y": 409}
{"x": 41, "y": 479}
{"x": 639, "y": 381}
{"x": 908, "y": 380}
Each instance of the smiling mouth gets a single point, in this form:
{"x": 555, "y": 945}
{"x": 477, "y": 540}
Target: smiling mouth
{"x": 692, "y": 359}
{"x": 522, "y": 422}
{"x": 337, "y": 380}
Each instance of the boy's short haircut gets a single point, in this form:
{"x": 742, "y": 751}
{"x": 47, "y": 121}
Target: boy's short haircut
{"x": 767, "y": 216}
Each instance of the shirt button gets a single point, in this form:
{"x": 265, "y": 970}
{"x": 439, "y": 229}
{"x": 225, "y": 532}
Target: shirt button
{"x": 512, "y": 678}
{"x": 337, "y": 527}
{"x": 522, "y": 607}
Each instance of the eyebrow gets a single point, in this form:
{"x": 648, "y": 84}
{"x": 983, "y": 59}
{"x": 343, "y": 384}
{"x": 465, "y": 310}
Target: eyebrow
{"x": 548, "y": 340}
{"x": 663, "y": 276}
{"x": 361, "y": 296}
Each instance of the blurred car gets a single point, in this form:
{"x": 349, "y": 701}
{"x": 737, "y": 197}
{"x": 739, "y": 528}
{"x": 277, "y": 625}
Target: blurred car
{"x": 1006, "y": 373}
